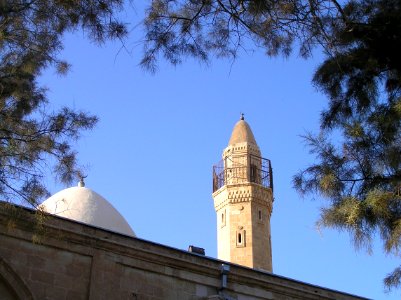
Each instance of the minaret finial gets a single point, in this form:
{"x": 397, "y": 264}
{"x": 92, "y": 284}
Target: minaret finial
{"x": 242, "y": 116}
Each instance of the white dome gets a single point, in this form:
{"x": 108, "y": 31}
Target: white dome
{"x": 84, "y": 205}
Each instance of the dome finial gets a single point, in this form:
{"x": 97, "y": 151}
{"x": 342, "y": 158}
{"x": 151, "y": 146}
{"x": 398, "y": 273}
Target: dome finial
{"x": 242, "y": 116}
{"x": 81, "y": 182}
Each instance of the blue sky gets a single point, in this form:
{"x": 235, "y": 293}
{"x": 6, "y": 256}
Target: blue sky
{"x": 151, "y": 154}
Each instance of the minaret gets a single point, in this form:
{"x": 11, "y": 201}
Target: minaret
{"x": 243, "y": 199}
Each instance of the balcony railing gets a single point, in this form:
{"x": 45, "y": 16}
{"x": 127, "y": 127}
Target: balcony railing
{"x": 243, "y": 169}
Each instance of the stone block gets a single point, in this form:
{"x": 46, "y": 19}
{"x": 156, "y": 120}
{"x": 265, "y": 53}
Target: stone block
{"x": 42, "y": 276}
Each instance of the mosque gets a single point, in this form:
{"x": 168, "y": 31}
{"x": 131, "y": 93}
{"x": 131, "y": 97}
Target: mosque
{"x": 83, "y": 248}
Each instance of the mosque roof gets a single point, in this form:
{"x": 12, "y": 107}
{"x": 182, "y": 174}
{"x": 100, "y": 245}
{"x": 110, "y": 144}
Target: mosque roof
{"x": 242, "y": 133}
{"x": 84, "y": 205}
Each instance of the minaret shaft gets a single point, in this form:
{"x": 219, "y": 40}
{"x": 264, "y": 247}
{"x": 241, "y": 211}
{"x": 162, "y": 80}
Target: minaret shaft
{"x": 243, "y": 202}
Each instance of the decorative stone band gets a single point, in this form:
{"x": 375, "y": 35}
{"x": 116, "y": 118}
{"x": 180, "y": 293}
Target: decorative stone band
{"x": 241, "y": 148}
{"x": 240, "y": 193}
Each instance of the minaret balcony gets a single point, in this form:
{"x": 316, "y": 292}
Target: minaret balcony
{"x": 242, "y": 169}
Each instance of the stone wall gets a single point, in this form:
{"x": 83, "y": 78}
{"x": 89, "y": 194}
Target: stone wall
{"x": 70, "y": 260}
{"x": 241, "y": 205}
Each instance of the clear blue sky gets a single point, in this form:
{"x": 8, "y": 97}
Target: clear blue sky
{"x": 151, "y": 154}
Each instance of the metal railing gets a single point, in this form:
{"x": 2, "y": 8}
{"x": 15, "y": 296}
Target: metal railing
{"x": 243, "y": 169}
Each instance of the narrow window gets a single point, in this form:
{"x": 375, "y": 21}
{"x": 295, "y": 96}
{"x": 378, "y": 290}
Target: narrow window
{"x": 240, "y": 238}
{"x": 223, "y": 218}
{"x": 260, "y": 215}
{"x": 253, "y": 172}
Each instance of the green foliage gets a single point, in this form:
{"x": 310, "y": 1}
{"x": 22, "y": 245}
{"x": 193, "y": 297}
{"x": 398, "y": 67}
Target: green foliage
{"x": 363, "y": 83}
{"x": 177, "y": 29}
{"x": 359, "y": 174}
{"x": 31, "y": 135}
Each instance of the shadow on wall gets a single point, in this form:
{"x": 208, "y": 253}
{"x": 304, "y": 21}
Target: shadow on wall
{"x": 11, "y": 285}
